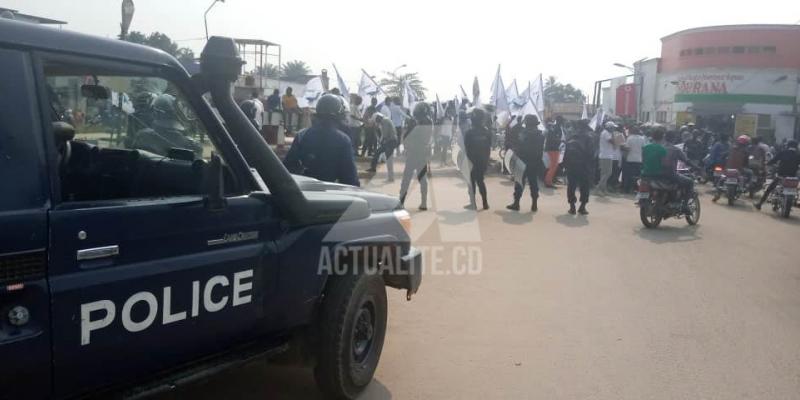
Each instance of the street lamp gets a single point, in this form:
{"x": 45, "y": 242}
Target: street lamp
{"x": 624, "y": 66}
{"x": 205, "y": 16}
{"x": 127, "y": 16}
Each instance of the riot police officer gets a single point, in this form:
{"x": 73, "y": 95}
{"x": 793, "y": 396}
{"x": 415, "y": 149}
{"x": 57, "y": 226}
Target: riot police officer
{"x": 323, "y": 151}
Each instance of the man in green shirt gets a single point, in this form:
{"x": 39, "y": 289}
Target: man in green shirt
{"x": 653, "y": 155}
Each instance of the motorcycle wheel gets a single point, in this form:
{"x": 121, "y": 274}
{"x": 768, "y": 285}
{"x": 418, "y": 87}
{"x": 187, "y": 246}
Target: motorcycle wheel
{"x": 651, "y": 218}
{"x": 694, "y": 210}
{"x": 731, "y": 195}
{"x": 787, "y": 207}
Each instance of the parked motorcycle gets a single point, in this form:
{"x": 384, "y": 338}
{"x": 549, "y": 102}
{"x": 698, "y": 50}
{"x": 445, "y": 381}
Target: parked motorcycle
{"x": 659, "y": 200}
{"x": 784, "y": 196}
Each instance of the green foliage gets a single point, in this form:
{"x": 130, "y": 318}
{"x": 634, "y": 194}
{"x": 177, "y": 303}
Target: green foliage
{"x": 556, "y": 92}
{"x": 393, "y": 84}
{"x": 295, "y": 70}
{"x": 163, "y": 42}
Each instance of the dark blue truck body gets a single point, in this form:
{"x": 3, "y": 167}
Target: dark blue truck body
{"x": 120, "y": 292}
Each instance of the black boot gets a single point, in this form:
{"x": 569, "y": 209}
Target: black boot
{"x": 535, "y": 204}
{"x": 485, "y": 204}
{"x": 571, "y": 209}
{"x": 582, "y": 209}
{"x": 514, "y": 206}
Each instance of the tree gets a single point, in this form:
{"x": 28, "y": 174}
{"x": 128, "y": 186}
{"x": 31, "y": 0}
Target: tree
{"x": 269, "y": 71}
{"x": 556, "y": 92}
{"x": 295, "y": 70}
{"x": 162, "y": 42}
{"x": 393, "y": 84}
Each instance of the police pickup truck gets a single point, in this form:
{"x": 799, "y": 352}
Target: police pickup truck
{"x": 148, "y": 238}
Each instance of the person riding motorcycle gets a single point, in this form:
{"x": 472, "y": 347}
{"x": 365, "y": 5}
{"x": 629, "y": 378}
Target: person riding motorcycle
{"x": 738, "y": 157}
{"x": 719, "y": 151}
{"x": 660, "y": 161}
{"x": 695, "y": 148}
{"x": 788, "y": 161}
{"x": 758, "y": 152}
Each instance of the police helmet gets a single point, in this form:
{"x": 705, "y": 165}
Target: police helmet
{"x": 331, "y": 106}
{"x": 165, "y": 113}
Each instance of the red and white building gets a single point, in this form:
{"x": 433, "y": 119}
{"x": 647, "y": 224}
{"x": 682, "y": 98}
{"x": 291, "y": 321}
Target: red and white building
{"x": 735, "y": 78}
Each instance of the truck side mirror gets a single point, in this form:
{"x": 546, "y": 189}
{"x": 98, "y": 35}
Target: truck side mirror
{"x": 214, "y": 183}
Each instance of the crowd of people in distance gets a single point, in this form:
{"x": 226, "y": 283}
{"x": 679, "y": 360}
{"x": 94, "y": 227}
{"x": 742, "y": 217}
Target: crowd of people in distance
{"x": 604, "y": 156}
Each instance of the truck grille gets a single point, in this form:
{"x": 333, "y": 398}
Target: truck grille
{"x": 16, "y": 268}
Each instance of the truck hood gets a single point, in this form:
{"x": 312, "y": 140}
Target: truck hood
{"x": 378, "y": 202}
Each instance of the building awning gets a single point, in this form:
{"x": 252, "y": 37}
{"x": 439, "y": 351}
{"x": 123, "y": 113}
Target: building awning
{"x": 708, "y": 108}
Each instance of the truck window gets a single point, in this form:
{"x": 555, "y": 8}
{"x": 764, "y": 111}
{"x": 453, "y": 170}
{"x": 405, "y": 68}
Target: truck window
{"x": 134, "y": 136}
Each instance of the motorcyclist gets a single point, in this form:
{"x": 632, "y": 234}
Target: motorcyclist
{"x": 758, "y": 151}
{"x": 788, "y": 161}
{"x": 695, "y": 148}
{"x": 719, "y": 151}
{"x": 323, "y": 151}
{"x": 670, "y": 170}
{"x": 660, "y": 161}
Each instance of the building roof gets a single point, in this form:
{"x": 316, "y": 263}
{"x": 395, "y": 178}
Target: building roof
{"x": 743, "y": 27}
{"x": 256, "y": 42}
{"x": 24, "y": 34}
{"x": 33, "y": 18}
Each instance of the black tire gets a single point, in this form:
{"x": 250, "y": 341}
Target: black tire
{"x": 694, "y": 205}
{"x": 352, "y": 327}
{"x": 787, "y": 207}
{"x": 731, "y": 195}
{"x": 650, "y": 219}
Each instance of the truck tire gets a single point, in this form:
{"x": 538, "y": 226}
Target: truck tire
{"x": 352, "y": 327}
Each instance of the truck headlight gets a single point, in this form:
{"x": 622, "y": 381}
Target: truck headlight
{"x": 404, "y": 218}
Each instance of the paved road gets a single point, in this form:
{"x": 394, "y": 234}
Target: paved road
{"x": 579, "y": 308}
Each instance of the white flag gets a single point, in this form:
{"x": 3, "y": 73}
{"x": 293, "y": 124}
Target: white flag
{"x": 597, "y": 120}
{"x": 409, "y": 96}
{"x": 499, "y": 99}
{"x": 369, "y": 89}
{"x": 537, "y": 93}
{"x": 439, "y": 108}
{"x": 342, "y": 86}
{"x": 463, "y": 93}
{"x": 512, "y": 92}
{"x": 312, "y": 93}
{"x": 585, "y": 113}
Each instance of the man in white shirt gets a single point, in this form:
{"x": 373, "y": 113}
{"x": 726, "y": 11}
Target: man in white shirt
{"x": 398, "y": 116}
{"x": 633, "y": 159}
{"x": 607, "y": 153}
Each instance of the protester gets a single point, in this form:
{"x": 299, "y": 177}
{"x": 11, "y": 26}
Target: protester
{"x": 552, "y": 146}
{"x": 529, "y": 150}
{"x": 290, "y": 109}
{"x": 389, "y": 143}
{"x": 788, "y": 161}
{"x": 478, "y": 143}
{"x": 578, "y": 163}
{"x": 418, "y": 149}
{"x": 370, "y": 129}
{"x": 398, "y": 115}
{"x": 323, "y": 151}
{"x": 354, "y": 121}
{"x": 254, "y": 110}
{"x": 608, "y": 152}
{"x": 273, "y": 105}
{"x": 633, "y": 159}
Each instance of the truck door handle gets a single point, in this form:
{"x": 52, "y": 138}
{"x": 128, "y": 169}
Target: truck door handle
{"x": 98, "y": 252}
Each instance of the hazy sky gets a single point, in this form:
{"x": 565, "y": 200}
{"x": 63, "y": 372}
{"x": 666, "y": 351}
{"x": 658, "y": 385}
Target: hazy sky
{"x": 447, "y": 42}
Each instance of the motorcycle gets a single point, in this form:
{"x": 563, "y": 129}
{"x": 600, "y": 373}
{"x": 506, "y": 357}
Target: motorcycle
{"x": 659, "y": 200}
{"x": 732, "y": 184}
{"x": 784, "y": 196}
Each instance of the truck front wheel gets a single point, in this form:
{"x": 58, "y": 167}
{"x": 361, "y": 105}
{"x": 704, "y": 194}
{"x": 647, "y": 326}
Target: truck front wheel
{"x": 352, "y": 327}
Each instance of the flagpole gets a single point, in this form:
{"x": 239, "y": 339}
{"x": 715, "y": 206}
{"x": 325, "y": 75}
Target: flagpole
{"x": 376, "y": 83}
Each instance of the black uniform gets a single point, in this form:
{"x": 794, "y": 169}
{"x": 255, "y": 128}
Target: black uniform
{"x": 530, "y": 149}
{"x": 578, "y": 162}
{"x": 478, "y": 143}
{"x": 323, "y": 152}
